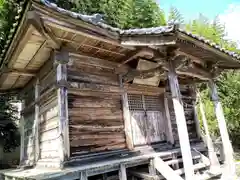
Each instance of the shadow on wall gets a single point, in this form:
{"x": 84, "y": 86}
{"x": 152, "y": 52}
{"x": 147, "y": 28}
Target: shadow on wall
{"x": 9, "y": 160}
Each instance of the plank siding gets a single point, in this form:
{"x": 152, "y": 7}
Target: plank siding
{"x": 95, "y": 122}
{"x": 49, "y": 130}
{"x": 29, "y": 143}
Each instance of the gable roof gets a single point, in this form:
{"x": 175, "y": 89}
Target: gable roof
{"x": 98, "y": 21}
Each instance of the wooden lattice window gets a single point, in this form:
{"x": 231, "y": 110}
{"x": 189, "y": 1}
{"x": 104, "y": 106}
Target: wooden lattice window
{"x": 144, "y": 103}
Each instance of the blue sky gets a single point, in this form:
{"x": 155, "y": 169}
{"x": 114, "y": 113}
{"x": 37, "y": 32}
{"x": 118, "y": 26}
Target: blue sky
{"x": 191, "y": 9}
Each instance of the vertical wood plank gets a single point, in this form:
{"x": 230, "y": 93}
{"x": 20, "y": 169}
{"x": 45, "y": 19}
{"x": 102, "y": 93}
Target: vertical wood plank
{"x": 22, "y": 134}
{"x": 181, "y": 122}
{"x": 122, "y": 172}
{"x": 37, "y": 123}
{"x": 61, "y": 59}
{"x": 211, "y": 153}
{"x": 126, "y": 116}
{"x": 227, "y": 146}
{"x": 151, "y": 168}
{"x": 170, "y": 137}
{"x": 83, "y": 175}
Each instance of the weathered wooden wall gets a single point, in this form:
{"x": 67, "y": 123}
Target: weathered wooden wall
{"x": 95, "y": 112}
{"x": 48, "y": 117}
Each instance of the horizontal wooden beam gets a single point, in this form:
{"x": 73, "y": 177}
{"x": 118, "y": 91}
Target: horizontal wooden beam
{"x": 196, "y": 72}
{"x": 21, "y": 72}
{"x": 109, "y": 90}
{"x": 148, "y": 40}
{"x": 144, "y": 52}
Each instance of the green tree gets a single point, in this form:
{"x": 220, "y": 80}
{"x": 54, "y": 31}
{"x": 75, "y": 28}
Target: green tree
{"x": 9, "y": 135}
{"x": 228, "y": 82}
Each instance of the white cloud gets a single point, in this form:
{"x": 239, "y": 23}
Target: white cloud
{"x": 231, "y": 19}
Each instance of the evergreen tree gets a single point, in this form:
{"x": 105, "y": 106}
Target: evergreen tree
{"x": 9, "y": 133}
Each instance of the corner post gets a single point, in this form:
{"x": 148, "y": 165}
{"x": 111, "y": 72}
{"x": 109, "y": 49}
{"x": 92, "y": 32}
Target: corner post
{"x": 169, "y": 123}
{"x": 61, "y": 59}
{"x": 37, "y": 109}
{"x": 126, "y": 116}
{"x": 227, "y": 146}
{"x": 181, "y": 122}
{"x": 22, "y": 133}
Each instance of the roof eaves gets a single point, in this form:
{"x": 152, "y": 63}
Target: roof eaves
{"x": 13, "y": 31}
{"x": 210, "y": 43}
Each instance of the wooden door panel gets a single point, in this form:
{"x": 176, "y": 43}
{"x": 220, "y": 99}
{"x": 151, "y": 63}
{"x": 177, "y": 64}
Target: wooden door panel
{"x": 138, "y": 121}
{"x": 155, "y": 127}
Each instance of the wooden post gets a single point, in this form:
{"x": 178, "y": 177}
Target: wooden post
{"x": 126, "y": 116}
{"x": 122, "y": 172}
{"x": 22, "y": 134}
{"x": 211, "y": 153}
{"x": 181, "y": 122}
{"x": 83, "y": 175}
{"x": 170, "y": 137}
{"x": 196, "y": 120}
{"x": 227, "y": 146}
{"x": 151, "y": 168}
{"x": 37, "y": 91}
{"x": 61, "y": 60}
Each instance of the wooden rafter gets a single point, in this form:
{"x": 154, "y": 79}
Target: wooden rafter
{"x": 21, "y": 72}
{"x": 36, "y": 21}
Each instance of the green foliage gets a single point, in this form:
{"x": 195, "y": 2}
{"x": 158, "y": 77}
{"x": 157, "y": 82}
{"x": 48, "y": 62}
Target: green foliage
{"x": 228, "y": 82}
{"x": 175, "y": 16}
{"x": 9, "y": 134}
{"x": 146, "y": 13}
{"x": 121, "y": 13}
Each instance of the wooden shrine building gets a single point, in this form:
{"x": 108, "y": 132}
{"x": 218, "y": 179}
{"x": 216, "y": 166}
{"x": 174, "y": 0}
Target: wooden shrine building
{"x": 104, "y": 103}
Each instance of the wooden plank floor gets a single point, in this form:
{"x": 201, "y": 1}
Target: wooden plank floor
{"x": 101, "y": 166}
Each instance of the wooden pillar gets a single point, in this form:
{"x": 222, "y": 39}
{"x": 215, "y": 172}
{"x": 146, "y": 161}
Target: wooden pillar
{"x": 151, "y": 168}
{"x": 211, "y": 153}
{"x": 227, "y": 146}
{"x": 181, "y": 122}
{"x": 122, "y": 172}
{"x": 37, "y": 123}
{"x": 22, "y": 134}
{"x": 196, "y": 120}
{"x": 61, "y": 60}
{"x": 83, "y": 175}
{"x": 170, "y": 137}
{"x": 126, "y": 117}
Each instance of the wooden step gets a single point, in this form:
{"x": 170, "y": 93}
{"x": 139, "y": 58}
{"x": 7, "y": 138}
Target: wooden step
{"x": 175, "y": 161}
{"x": 196, "y": 168}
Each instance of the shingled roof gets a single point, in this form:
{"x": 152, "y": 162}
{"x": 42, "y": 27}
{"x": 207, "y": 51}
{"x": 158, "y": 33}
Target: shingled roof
{"x": 97, "y": 20}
